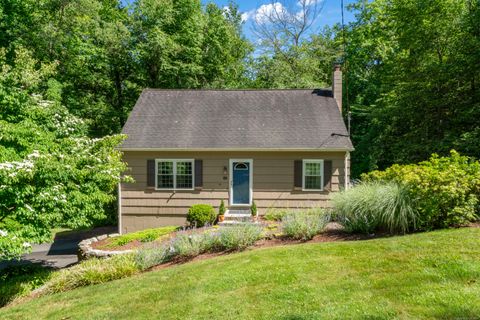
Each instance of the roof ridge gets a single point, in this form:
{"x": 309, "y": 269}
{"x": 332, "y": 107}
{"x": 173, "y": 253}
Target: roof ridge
{"x": 251, "y": 89}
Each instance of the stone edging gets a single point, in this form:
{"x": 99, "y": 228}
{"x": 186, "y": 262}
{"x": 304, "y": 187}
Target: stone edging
{"x": 85, "y": 250}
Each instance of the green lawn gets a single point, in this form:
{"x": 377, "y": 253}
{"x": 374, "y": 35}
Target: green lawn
{"x": 423, "y": 276}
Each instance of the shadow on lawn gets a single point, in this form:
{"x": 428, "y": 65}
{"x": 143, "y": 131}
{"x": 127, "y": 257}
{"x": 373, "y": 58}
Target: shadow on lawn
{"x": 19, "y": 280}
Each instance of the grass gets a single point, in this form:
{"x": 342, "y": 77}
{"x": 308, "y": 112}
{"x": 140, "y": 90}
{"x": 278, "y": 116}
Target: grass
{"x": 431, "y": 275}
{"x": 19, "y": 281}
{"x": 142, "y": 236}
{"x": 372, "y": 206}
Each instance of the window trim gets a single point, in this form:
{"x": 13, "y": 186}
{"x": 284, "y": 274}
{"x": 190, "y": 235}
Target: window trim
{"x": 322, "y": 174}
{"x": 192, "y": 161}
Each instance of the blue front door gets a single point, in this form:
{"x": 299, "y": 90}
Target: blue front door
{"x": 241, "y": 182}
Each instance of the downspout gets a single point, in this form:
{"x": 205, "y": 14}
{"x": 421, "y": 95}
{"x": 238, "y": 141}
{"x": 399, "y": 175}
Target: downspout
{"x": 120, "y": 208}
{"x": 347, "y": 159}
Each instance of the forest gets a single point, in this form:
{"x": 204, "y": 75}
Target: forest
{"x": 71, "y": 71}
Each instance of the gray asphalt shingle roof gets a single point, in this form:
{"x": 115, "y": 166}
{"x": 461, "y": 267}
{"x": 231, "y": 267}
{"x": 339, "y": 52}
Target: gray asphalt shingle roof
{"x": 236, "y": 119}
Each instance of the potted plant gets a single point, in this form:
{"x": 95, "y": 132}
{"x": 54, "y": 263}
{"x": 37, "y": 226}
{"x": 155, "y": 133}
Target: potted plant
{"x": 253, "y": 210}
{"x": 221, "y": 212}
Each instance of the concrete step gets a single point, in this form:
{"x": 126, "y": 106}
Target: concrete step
{"x": 230, "y": 223}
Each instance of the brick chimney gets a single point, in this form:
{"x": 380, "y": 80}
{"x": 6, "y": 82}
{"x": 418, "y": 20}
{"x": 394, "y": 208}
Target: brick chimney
{"x": 337, "y": 86}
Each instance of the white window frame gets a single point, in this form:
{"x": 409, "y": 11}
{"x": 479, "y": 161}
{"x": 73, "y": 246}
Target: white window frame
{"x": 192, "y": 161}
{"x": 322, "y": 173}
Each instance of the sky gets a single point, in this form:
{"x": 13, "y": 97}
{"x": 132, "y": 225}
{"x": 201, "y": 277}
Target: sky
{"x": 330, "y": 14}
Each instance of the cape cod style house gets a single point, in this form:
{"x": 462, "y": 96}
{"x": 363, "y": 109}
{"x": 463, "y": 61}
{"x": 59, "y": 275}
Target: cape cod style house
{"x": 279, "y": 148}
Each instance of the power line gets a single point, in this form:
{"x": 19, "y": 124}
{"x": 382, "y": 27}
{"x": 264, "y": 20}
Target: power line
{"x": 345, "y": 68}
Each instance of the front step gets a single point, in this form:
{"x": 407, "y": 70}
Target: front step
{"x": 236, "y": 217}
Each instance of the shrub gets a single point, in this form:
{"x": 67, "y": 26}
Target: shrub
{"x": 142, "y": 236}
{"x": 238, "y": 237}
{"x": 446, "y": 189}
{"x": 370, "y": 206}
{"x": 221, "y": 209}
{"x": 19, "y": 281}
{"x": 304, "y": 225}
{"x": 253, "y": 209}
{"x": 201, "y": 214}
{"x": 92, "y": 271}
{"x": 190, "y": 245}
{"x": 148, "y": 257}
{"x": 273, "y": 214}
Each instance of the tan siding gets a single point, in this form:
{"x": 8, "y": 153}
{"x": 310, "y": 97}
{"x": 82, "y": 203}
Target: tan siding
{"x": 144, "y": 207}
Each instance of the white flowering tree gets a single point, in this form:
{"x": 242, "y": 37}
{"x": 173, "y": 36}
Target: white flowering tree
{"x": 51, "y": 173}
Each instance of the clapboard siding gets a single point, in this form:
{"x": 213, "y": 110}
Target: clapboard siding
{"x": 273, "y": 187}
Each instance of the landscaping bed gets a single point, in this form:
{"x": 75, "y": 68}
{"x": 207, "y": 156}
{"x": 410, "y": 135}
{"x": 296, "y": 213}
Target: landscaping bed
{"x": 430, "y": 275}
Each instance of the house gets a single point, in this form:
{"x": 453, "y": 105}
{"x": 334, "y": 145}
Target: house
{"x": 279, "y": 148}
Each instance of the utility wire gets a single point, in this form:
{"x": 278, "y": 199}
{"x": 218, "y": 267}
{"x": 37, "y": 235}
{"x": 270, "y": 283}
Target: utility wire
{"x": 345, "y": 68}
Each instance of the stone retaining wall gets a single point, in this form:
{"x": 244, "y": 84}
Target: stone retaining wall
{"x": 85, "y": 250}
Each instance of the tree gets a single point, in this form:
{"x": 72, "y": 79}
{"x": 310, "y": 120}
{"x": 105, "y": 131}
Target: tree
{"x": 292, "y": 54}
{"x": 182, "y": 45}
{"x": 413, "y": 69}
{"x": 51, "y": 175}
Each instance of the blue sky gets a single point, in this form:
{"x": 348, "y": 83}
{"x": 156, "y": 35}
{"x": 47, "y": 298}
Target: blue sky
{"x": 331, "y": 12}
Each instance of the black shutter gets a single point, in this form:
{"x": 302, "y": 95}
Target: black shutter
{"x": 198, "y": 173}
{"x": 297, "y": 173}
{"x": 327, "y": 175}
{"x": 151, "y": 173}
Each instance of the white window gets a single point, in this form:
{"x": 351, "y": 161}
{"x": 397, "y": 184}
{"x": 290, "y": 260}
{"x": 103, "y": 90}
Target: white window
{"x": 174, "y": 174}
{"x": 312, "y": 179}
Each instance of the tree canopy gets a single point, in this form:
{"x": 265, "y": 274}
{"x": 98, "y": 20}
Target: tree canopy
{"x": 71, "y": 71}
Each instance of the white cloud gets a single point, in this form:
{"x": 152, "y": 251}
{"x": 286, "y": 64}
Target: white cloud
{"x": 246, "y": 15}
{"x": 309, "y": 2}
{"x": 266, "y": 10}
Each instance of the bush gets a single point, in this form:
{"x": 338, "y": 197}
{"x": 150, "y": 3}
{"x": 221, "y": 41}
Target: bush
{"x": 446, "y": 189}
{"x": 142, "y": 236}
{"x": 92, "y": 271}
{"x": 146, "y": 258}
{"x": 201, "y": 214}
{"x": 19, "y": 281}
{"x": 273, "y": 214}
{"x": 190, "y": 245}
{"x": 221, "y": 209}
{"x": 238, "y": 237}
{"x": 371, "y": 206}
{"x": 304, "y": 225}
{"x": 253, "y": 209}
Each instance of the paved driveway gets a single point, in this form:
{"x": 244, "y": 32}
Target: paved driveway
{"x": 62, "y": 252}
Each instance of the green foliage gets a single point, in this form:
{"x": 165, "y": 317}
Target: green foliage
{"x": 148, "y": 257}
{"x": 446, "y": 189}
{"x": 253, "y": 209}
{"x": 201, "y": 214}
{"x": 107, "y": 52}
{"x": 221, "y": 209}
{"x": 432, "y": 275}
{"x": 187, "y": 245}
{"x": 51, "y": 175}
{"x": 147, "y": 235}
{"x": 238, "y": 237}
{"x": 19, "y": 281}
{"x": 89, "y": 272}
{"x": 373, "y": 206}
{"x": 274, "y": 214}
{"x": 306, "y": 65}
{"x": 413, "y": 80}
{"x": 304, "y": 225}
